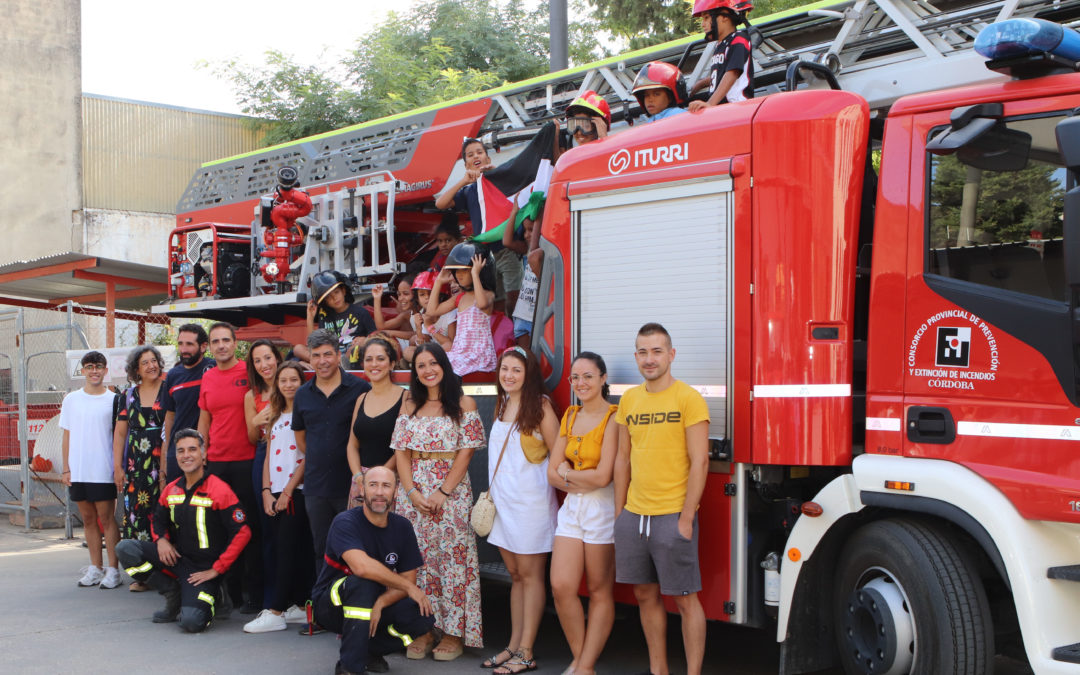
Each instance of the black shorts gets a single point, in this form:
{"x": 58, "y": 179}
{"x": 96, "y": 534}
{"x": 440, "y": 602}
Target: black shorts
{"x": 92, "y": 492}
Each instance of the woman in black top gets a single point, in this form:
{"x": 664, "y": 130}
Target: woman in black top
{"x": 374, "y": 416}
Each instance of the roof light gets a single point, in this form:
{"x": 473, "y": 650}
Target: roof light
{"x": 1023, "y": 37}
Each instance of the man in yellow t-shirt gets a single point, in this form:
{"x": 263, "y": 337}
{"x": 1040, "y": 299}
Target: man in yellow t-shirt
{"x": 660, "y": 472}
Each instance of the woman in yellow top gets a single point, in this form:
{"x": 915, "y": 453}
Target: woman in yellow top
{"x": 585, "y": 534}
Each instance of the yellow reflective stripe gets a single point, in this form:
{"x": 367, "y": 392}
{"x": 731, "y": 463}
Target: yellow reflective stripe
{"x": 208, "y": 599}
{"x": 173, "y": 500}
{"x": 359, "y": 613}
{"x": 200, "y": 527}
{"x": 172, "y": 514}
{"x": 405, "y": 639}
{"x": 335, "y": 592}
{"x": 145, "y": 567}
{"x": 202, "y": 501}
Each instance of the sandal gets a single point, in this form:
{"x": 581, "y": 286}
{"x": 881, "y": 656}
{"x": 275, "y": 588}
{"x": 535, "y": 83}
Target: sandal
{"x": 494, "y": 662}
{"x": 419, "y": 650}
{"x": 519, "y": 664}
{"x": 448, "y": 654}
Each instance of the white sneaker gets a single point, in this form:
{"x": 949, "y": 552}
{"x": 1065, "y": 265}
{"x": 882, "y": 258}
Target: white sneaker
{"x": 295, "y": 614}
{"x": 111, "y": 578}
{"x": 266, "y": 622}
{"x": 91, "y": 576}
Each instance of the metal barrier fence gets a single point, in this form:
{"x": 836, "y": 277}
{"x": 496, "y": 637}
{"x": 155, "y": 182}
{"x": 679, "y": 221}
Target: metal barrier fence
{"x": 34, "y": 379}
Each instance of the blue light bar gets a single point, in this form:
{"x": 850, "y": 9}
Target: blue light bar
{"x": 1021, "y": 37}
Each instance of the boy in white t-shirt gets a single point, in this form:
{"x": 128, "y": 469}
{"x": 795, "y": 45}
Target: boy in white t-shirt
{"x": 86, "y": 418}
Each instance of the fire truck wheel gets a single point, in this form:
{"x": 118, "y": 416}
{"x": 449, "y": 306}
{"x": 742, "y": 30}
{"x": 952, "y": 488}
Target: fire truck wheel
{"x": 908, "y": 600}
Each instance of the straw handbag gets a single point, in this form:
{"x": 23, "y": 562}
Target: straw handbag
{"x": 483, "y": 511}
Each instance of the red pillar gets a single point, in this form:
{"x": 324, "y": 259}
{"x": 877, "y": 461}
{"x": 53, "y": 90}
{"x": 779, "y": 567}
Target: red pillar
{"x": 110, "y": 314}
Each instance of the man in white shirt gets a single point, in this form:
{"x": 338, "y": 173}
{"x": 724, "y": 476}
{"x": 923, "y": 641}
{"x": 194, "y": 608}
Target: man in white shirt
{"x": 86, "y": 418}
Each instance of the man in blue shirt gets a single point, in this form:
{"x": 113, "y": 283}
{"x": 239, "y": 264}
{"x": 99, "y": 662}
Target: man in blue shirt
{"x": 181, "y": 396}
{"x": 367, "y": 590}
{"x": 322, "y": 412}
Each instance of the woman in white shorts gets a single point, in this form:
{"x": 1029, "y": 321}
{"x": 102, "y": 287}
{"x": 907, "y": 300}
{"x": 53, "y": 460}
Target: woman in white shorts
{"x": 584, "y": 535}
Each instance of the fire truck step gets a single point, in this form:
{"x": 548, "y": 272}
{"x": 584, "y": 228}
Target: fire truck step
{"x": 1064, "y": 572}
{"x": 1068, "y": 654}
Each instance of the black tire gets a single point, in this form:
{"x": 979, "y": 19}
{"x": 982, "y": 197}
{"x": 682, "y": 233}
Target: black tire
{"x": 944, "y": 602}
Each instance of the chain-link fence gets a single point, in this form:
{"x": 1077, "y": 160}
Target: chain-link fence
{"x": 35, "y": 375}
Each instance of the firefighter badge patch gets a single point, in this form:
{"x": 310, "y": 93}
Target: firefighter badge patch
{"x": 238, "y": 515}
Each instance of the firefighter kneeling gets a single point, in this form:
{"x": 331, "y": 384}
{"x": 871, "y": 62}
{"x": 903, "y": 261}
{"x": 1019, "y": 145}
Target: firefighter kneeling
{"x": 199, "y": 531}
{"x": 367, "y": 589}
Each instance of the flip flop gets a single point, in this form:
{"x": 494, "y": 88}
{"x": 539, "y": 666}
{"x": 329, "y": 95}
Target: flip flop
{"x": 493, "y": 662}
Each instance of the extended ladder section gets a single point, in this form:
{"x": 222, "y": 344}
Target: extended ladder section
{"x": 880, "y": 49}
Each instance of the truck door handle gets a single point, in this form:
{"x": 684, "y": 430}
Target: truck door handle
{"x": 930, "y": 425}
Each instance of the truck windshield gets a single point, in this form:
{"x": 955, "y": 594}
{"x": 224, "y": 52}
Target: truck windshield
{"x": 1001, "y": 228}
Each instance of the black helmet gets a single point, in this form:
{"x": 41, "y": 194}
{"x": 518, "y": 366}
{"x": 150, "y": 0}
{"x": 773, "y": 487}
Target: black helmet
{"x": 324, "y": 282}
{"x": 460, "y": 258}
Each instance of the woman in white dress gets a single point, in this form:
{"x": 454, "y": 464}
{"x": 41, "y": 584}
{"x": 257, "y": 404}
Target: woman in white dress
{"x": 524, "y": 429}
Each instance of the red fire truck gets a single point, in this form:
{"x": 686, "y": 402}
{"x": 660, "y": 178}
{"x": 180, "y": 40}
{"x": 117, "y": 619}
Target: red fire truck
{"x": 874, "y": 288}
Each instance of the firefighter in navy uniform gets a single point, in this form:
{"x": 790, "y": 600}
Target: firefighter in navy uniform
{"x": 199, "y": 530}
{"x": 367, "y": 590}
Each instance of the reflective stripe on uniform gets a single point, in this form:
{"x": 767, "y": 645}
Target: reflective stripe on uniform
{"x": 335, "y": 592}
{"x": 200, "y": 527}
{"x": 145, "y": 567}
{"x": 173, "y": 500}
{"x": 208, "y": 599}
{"x": 202, "y": 501}
{"x": 359, "y": 613}
{"x": 405, "y": 639}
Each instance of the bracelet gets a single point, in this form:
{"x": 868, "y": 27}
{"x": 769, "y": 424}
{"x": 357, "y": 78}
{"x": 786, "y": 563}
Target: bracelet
{"x": 358, "y": 473}
{"x": 268, "y": 490}
{"x": 64, "y": 472}
{"x": 444, "y": 491}
{"x": 409, "y": 493}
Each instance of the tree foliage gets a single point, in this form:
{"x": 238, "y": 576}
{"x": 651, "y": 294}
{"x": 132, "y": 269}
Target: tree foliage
{"x": 648, "y": 22}
{"x": 1011, "y": 206}
{"x": 436, "y": 51}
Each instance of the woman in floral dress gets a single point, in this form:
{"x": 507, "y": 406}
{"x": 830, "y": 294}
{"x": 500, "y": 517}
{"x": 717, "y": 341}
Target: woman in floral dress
{"x": 435, "y": 437}
{"x": 137, "y": 441}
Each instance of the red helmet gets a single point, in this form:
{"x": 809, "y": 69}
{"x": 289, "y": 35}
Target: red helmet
{"x": 593, "y": 103}
{"x": 737, "y": 6}
{"x": 660, "y": 75}
{"x": 425, "y": 281}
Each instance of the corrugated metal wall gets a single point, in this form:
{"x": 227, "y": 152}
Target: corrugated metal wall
{"x": 140, "y": 156}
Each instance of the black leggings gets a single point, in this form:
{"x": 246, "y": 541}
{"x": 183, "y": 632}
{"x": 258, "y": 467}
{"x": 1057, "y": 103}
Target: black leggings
{"x": 248, "y": 573}
{"x": 295, "y": 555}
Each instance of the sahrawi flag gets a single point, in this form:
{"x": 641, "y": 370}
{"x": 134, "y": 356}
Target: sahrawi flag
{"x": 527, "y": 173}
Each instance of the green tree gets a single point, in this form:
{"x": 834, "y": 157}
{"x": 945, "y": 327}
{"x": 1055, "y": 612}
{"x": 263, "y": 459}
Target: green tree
{"x": 648, "y": 22}
{"x": 435, "y": 51}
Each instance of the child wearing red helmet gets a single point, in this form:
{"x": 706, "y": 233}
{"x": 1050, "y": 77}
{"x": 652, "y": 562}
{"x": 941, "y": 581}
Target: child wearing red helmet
{"x": 660, "y": 90}
{"x": 731, "y": 72}
{"x": 441, "y": 330}
{"x": 588, "y": 117}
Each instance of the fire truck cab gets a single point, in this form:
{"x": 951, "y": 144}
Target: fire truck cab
{"x": 889, "y": 356}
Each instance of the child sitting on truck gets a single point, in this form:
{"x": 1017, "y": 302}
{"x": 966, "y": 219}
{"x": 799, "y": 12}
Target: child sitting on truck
{"x": 331, "y": 307}
{"x": 660, "y": 90}
{"x": 731, "y": 72}
{"x": 424, "y": 326}
{"x": 588, "y": 118}
{"x": 464, "y": 196}
{"x": 522, "y": 241}
{"x": 398, "y": 327}
{"x": 473, "y": 349}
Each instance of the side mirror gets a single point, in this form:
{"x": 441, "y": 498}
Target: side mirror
{"x": 979, "y": 138}
{"x": 1068, "y": 140}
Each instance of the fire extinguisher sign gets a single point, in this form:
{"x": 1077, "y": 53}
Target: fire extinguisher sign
{"x": 965, "y": 351}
